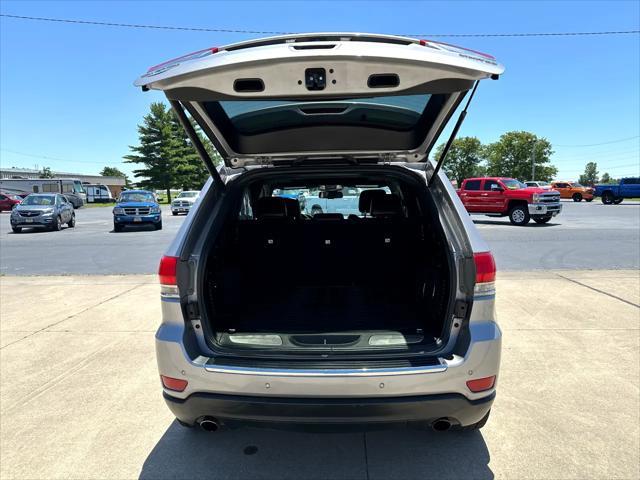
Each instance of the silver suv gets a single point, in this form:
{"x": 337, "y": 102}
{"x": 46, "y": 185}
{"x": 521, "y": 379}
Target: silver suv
{"x": 43, "y": 210}
{"x": 373, "y": 303}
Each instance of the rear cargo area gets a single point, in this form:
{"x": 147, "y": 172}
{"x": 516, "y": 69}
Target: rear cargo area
{"x": 326, "y": 278}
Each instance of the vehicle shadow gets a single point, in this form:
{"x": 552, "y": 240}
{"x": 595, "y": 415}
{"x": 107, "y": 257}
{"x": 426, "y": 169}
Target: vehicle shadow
{"x": 249, "y": 453}
{"x": 530, "y": 224}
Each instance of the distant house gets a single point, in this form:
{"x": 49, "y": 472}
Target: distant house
{"x": 115, "y": 184}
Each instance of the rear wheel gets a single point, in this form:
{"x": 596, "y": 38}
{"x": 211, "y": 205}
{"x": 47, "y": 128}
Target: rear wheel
{"x": 607, "y": 198}
{"x": 519, "y": 215}
{"x": 477, "y": 426}
{"x": 542, "y": 219}
{"x": 16, "y": 229}
{"x": 618, "y": 201}
{"x": 72, "y": 222}
{"x": 589, "y": 199}
{"x": 577, "y": 197}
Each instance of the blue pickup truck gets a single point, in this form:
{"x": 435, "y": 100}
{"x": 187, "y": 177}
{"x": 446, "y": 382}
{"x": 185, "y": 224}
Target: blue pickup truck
{"x": 136, "y": 207}
{"x": 627, "y": 188}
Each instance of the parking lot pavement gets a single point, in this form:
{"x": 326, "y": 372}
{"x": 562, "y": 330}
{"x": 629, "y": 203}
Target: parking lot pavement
{"x": 584, "y": 236}
{"x": 80, "y": 395}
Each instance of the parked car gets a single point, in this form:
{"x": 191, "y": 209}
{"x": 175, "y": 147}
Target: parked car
{"x": 573, "y": 190}
{"x": 538, "y": 184}
{"x": 7, "y": 202}
{"x": 43, "y": 210}
{"x": 136, "y": 207}
{"x": 270, "y": 317}
{"x": 183, "y": 202}
{"x": 627, "y": 188}
{"x": 500, "y": 197}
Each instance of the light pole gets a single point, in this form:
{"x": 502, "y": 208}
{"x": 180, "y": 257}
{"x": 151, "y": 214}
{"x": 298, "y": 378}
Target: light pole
{"x": 533, "y": 160}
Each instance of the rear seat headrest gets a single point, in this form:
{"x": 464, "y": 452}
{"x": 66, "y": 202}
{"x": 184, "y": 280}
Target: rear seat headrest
{"x": 366, "y": 196}
{"x": 386, "y": 206}
{"x": 276, "y": 207}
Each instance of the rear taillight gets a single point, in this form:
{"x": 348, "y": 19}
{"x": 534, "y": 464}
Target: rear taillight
{"x": 485, "y": 274}
{"x": 167, "y": 270}
{"x": 175, "y": 384}
{"x": 481, "y": 384}
{"x": 485, "y": 267}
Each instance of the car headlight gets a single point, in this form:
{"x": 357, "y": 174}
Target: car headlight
{"x": 118, "y": 211}
{"x": 536, "y": 198}
{"x": 47, "y": 211}
{"x": 155, "y": 210}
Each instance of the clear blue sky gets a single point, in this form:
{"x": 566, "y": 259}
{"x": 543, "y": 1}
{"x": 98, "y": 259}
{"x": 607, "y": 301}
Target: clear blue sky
{"x": 66, "y": 90}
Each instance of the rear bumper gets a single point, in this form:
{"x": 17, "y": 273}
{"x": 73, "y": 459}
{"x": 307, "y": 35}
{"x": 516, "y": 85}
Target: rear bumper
{"x": 552, "y": 209}
{"x": 283, "y": 412}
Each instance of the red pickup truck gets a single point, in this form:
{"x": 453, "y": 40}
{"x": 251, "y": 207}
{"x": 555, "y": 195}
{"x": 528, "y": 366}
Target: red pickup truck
{"x": 500, "y": 197}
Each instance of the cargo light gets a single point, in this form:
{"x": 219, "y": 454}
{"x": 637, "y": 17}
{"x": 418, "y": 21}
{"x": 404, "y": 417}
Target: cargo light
{"x": 167, "y": 270}
{"x": 175, "y": 384}
{"x": 481, "y": 384}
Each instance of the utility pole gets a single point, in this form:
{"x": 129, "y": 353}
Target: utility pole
{"x": 533, "y": 160}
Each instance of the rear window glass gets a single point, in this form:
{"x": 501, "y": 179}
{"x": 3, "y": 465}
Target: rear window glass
{"x": 472, "y": 185}
{"x": 399, "y": 112}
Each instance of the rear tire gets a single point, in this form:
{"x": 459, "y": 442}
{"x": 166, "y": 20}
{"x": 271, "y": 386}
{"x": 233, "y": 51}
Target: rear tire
{"x": 16, "y": 229}
{"x": 72, "y": 223}
{"x": 476, "y": 426}
{"x": 541, "y": 220}
{"x": 607, "y": 198}
{"x": 589, "y": 199}
{"x": 618, "y": 201}
{"x": 519, "y": 215}
{"x": 577, "y": 197}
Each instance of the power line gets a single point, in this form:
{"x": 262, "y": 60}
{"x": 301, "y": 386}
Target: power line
{"x": 267, "y": 32}
{"x": 45, "y": 157}
{"x": 602, "y": 143}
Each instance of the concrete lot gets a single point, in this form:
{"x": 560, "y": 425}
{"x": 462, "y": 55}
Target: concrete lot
{"x": 80, "y": 396}
{"x": 584, "y": 236}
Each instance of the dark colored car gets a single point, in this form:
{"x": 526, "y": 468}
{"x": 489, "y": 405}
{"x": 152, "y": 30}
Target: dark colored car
{"x": 43, "y": 210}
{"x": 7, "y": 202}
{"x": 136, "y": 207}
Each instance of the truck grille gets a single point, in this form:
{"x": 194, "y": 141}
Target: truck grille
{"x": 29, "y": 213}
{"x": 137, "y": 211}
{"x": 181, "y": 203}
{"x": 551, "y": 198}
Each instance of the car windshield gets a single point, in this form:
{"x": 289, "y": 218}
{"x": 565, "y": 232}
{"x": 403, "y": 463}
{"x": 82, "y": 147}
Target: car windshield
{"x": 188, "y": 195}
{"x": 543, "y": 184}
{"x": 136, "y": 197}
{"x": 513, "y": 184}
{"x": 39, "y": 200}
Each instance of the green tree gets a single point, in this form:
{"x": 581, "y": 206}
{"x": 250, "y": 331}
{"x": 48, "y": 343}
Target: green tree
{"x": 190, "y": 171}
{"x": 46, "y": 173}
{"x": 158, "y": 152}
{"x": 513, "y": 154}
{"x": 607, "y": 180}
{"x": 115, "y": 172}
{"x": 590, "y": 175}
{"x": 463, "y": 159}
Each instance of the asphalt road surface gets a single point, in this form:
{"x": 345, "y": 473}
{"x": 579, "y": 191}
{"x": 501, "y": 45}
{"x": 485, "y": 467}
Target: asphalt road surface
{"x": 583, "y": 236}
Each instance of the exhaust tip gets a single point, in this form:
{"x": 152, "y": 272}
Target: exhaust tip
{"x": 441, "y": 425}
{"x": 209, "y": 424}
